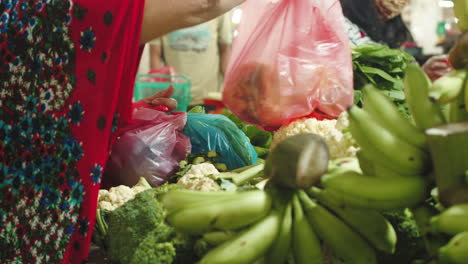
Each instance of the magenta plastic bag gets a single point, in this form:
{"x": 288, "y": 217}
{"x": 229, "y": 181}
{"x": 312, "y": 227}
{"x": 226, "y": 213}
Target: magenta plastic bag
{"x": 290, "y": 59}
{"x": 151, "y": 146}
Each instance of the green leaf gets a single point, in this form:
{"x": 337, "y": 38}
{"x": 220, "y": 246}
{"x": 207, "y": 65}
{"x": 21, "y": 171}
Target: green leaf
{"x": 197, "y": 110}
{"x": 379, "y": 72}
{"x": 395, "y": 95}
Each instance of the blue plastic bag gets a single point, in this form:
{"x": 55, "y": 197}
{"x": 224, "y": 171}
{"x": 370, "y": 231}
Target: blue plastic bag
{"x": 217, "y": 132}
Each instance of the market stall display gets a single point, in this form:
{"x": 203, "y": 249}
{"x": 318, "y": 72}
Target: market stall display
{"x": 386, "y": 182}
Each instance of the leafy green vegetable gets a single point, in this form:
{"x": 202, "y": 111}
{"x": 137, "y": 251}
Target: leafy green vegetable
{"x": 384, "y": 67}
{"x": 197, "y": 110}
{"x": 258, "y": 138}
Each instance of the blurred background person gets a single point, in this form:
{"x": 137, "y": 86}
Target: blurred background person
{"x": 200, "y": 53}
{"x": 377, "y": 20}
{"x": 380, "y": 21}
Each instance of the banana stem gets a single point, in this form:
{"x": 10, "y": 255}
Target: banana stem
{"x": 447, "y": 145}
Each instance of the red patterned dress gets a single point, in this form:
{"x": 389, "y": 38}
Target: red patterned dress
{"x": 67, "y": 69}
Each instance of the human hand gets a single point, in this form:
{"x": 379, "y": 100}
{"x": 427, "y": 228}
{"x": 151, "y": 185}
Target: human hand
{"x": 436, "y": 67}
{"x": 162, "y": 98}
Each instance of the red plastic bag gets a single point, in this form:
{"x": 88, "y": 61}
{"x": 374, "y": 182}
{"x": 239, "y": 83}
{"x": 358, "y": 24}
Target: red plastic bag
{"x": 151, "y": 146}
{"x": 292, "y": 58}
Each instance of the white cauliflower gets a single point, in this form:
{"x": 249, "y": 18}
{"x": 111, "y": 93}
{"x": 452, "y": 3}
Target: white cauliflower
{"x": 340, "y": 144}
{"x": 116, "y": 196}
{"x": 195, "y": 179}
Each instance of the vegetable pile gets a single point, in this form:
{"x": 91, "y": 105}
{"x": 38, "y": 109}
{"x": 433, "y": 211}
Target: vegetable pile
{"x": 260, "y": 139}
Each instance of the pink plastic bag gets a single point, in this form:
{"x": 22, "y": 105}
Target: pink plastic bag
{"x": 151, "y": 147}
{"x": 291, "y": 59}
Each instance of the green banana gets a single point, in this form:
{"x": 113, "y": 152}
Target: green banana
{"x": 422, "y": 215}
{"x": 365, "y": 162}
{"x": 279, "y": 251}
{"x": 456, "y": 251}
{"x": 217, "y": 237}
{"x": 448, "y": 87}
{"x": 362, "y": 191}
{"x": 451, "y": 221}
{"x": 342, "y": 240}
{"x": 177, "y": 199}
{"x": 370, "y": 168}
{"x": 461, "y": 12}
{"x": 248, "y": 245}
{"x": 306, "y": 246}
{"x": 230, "y": 213}
{"x": 456, "y": 109}
{"x": 425, "y": 113}
{"x": 384, "y": 147}
{"x": 369, "y": 224}
{"x": 387, "y": 114}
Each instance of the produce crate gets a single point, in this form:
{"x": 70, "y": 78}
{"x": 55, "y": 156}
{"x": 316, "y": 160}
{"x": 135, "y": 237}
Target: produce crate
{"x": 149, "y": 84}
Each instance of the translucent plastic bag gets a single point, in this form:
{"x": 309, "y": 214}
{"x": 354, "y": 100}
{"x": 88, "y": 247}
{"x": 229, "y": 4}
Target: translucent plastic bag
{"x": 291, "y": 59}
{"x": 217, "y": 132}
{"x": 151, "y": 146}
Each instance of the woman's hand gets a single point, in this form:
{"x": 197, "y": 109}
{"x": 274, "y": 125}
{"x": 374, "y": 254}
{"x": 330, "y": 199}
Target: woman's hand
{"x": 437, "y": 67}
{"x": 163, "y": 16}
{"x": 161, "y": 98}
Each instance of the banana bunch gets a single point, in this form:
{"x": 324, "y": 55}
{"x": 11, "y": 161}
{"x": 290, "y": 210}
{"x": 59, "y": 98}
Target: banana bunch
{"x": 316, "y": 228}
{"x": 277, "y": 224}
{"x": 394, "y": 159}
{"x": 451, "y": 224}
{"x": 451, "y": 91}
{"x": 243, "y": 225}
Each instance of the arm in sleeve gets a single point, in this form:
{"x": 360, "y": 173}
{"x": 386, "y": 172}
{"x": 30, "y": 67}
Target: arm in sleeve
{"x": 164, "y": 16}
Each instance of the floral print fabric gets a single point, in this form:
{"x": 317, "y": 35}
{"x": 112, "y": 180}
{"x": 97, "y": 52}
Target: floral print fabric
{"x": 66, "y": 78}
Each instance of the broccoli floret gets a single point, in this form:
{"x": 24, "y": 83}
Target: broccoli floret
{"x": 131, "y": 223}
{"x": 410, "y": 243}
{"x": 138, "y": 233}
{"x": 165, "y": 245}
{"x": 152, "y": 251}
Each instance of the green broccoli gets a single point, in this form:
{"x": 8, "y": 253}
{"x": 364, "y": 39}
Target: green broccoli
{"x": 138, "y": 233}
{"x": 165, "y": 245}
{"x": 410, "y": 244}
{"x": 152, "y": 251}
{"x": 130, "y": 224}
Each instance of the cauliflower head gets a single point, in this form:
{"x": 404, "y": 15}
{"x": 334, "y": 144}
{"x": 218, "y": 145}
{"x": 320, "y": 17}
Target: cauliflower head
{"x": 196, "y": 178}
{"x": 115, "y": 197}
{"x": 339, "y": 141}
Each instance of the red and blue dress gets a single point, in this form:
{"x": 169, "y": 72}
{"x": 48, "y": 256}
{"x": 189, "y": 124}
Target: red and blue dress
{"x": 67, "y": 69}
